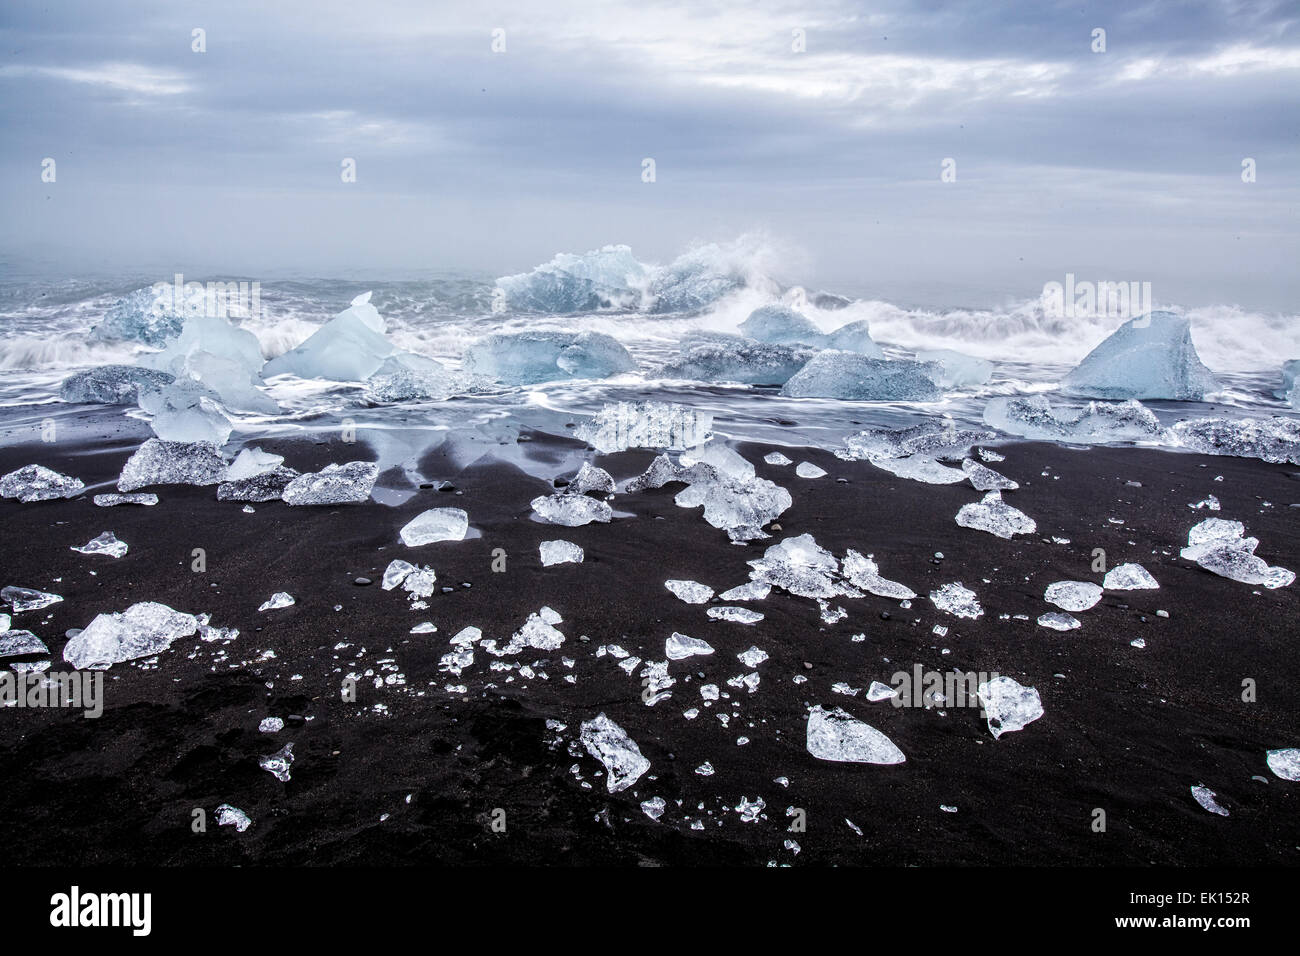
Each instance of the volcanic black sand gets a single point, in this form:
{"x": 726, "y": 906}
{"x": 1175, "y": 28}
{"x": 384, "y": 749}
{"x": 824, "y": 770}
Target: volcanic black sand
{"x": 1126, "y": 730}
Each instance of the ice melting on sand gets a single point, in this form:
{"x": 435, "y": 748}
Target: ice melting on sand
{"x": 692, "y": 592}
{"x": 802, "y": 567}
{"x": 107, "y": 543}
{"x": 915, "y": 452}
{"x": 110, "y": 501}
{"x": 26, "y": 599}
{"x": 1058, "y": 621}
{"x": 333, "y": 485}
{"x": 590, "y": 478}
{"x": 680, "y": 646}
{"x": 142, "y": 630}
{"x": 1207, "y": 799}
{"x": 1275, "y": 440}
{"x": 436, "y": 524}
{"x": 983, "y": 478}
{"x": 278, "y": 763}
{"x": 158, "y": 462}
{"x": 20, "y": 644}
{"x": 559, "y": 552}
{"x": 623, "y": 425}
{"x": 38, "y": 483}
{"x": 1035, "y": 417}
{"x": 610, "y": 744}
{"x": 957, "y": 600}
{"x": 863, "y": 573}
{"x": 737, "y": 505}
{"x": 836, "y": 735}
{"x": 1148, "y": 357}
{"x": 277, "y": 600}
{"x": 530, "y": 357}
{"x": 1220, "y": 547}
{"x": 228, "y": 816}
{"x": 112, "y": 385}
{"x": 853, "y": 377}
{"x": 1285, "y": 763}
{"x": 737, "y": 615}
{"x": 1009, "y": 705}
{"x": 996, "y": 517}
{"x": 1073, "y": 595}
{"x": 1129, "y": 577}
{"x": 571, "y": 511}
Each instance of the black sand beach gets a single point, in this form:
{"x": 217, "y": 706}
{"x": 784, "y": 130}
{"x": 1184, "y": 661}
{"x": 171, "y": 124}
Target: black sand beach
{"x": 417, "y": 781}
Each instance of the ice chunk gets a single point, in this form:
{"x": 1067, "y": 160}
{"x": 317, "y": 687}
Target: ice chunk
{"x": 590, "y": 478}
{"x": 737, "y": 615}
{"x": 223, "y": 358}
{"x": 624, "y": 425}
{"x": 749, "y": 363}
{"x": 1073, "y": 595}
{"x": 697, "y": 278}
{"x": 1290, "y": 392}
{"x": 38, "y": 483}
{"x": 802, "y": 567}
{"x": 1058, "y": 621}
{"x": 228, "y": 816}
{"x": 22, "y": 643}
{"x": 853, "y": 377}
{"x": 436, "y": 524}
{"x": 753, "y": 591}
{"x": 781, "y": 325}
{"x": 1129, "y": 577}
{"x": 112, "y": 385}
{"x": 1220, "y": 547}
{"x": 983, "y": 478}
{"x": 996, "y": 517}
{"x": 1209, "y": 501}
{"x": 722, "y": 457}
{"x": 692, "y": 592}
{"x": 333, "y": 485}
{"x": 407, "y": 377}
{"x": 526, "y": 358}
{"x": 957, "y": 370}
{"x": 680, "y": 646}
{"x": 572, "y": 511}
{"x": 605, "y": 278}
{"x": 955, "y": 599}
{"x": 1034, "y": 417}
{"x": 1285, "y": 763}
{"x": 186, "y": 411}
{"x": 1275, "y": 440}
{"x": 806, "y": 469}
{"x": 560, "y": 552}
{"x": 878, "y": 692}
{"x": 1008, "y": 705}
{"x": 348, "y": 348}
{"x": 158, "y": 462}
{"x": 863, "y": 573}
{"x": 27, "y": 599}
{"x": 265, "y": 486}
{"x": 836, "y": 735}
{"x": 776, "y": 458}
{"x": 106, "y": 543}
{"x": 1207, "y": 799}
{"x": 854, "y": 337}
{"x": 1147, "y": 357}
{"x": 277, "y": 600}
{"x": 914, "y": 452}
{"x": 149, "y": 316}
{"x": 270, "y": 725}
{"x": 278, "y": 763}
{"x": 738, "y": 506}
{"x": 142, "y": 630}
{"x": 610, "y": 744}
{"x": 752, "y": 657}
{"x": 653, "y": 808}
{"x": 251, "y": 462}
{"x": 110, "y": 501}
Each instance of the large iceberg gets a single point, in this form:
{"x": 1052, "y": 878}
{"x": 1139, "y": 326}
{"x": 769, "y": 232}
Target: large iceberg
{"x": 158, "y": 462}
{"x": 526, "y": 358}
{"x": 622, "y": 425}
{"x": 112, "y": 385}
{"x": 142, "y": 630}
{"x": 1149, "y": 357}
{"x": 854, "y": 377}
{"x": 348, "y": 348}
{"x": 602, "y": 279}
{"x": 1035, "y": 417}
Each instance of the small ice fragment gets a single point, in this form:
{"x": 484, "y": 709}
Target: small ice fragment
{"x": 776, "y": 458}
{"x": 1008, "y": 705}
{"x": 571, "y": 511}
{"x": 425, "y": 628}
{"x": 1206, "y": 798}
{"x": 878, "y": 692}
{"x": 436, "y": 524}
{"x": 106, "y": 543}
{"x": 692, "y": 592}
{"x": 38, "y": 483}
{"x": 1138, "y": 642}
{"x": 806, "y": 469}
{"x": 111, "y": 500}
{"x": 957, "y": 600}
{"x": 835, "y": 735}
{"x": 752, "y": 657}
{"x": 26, "y": 599}
{"x": 863, "y": 573}
{"x": 560, "y": 552}
{"x": 1209, "y": 502}
{"x": 996, "y": 517}
{"x": 983, "y": 478}
{"x": 1285, "y": 763}
{"x": 20, "y": 644}
{"x": 749, "y": 810}
{"x": 1058, "y": 621}
{"x": 1129, "y": 577}
{"x": 653, "y": 808}
{"x": 680, "y": 646}
{"x": 1073, "y": 595}
{"x": 753, "y": 591}
{"x": 705, "y": 769}
{"x": 738, "y": 615}
{"x": 228, "y": 816}
{"x": 610, "y": 744}
{"x": 276, "y": 601}
{"x": 270, "y": 725}
{"x": 278, "y": 763}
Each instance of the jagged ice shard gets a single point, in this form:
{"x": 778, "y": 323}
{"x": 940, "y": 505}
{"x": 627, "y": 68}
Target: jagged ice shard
{"x": 1149, "y": 357}
{"x": 38, "y": 483}
{"x": 526, "y": 358}
{"x": 838, "y": 736}
{"x": 1220, "y": 547}
{"x": 863, "y": 573}
{"x": 610, "y": 744}
{"x": 142, "y": 630}
{"x": 1008, "y": 705}
{"x": 996, "y": 517}
{"x": 348, "y": 348}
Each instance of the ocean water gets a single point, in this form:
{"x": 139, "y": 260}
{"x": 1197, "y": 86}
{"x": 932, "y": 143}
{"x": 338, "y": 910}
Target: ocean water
{"x": 44, "y": 326}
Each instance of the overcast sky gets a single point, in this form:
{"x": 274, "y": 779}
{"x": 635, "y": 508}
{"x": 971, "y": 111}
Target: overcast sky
{"x": 1124, "y": 164}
